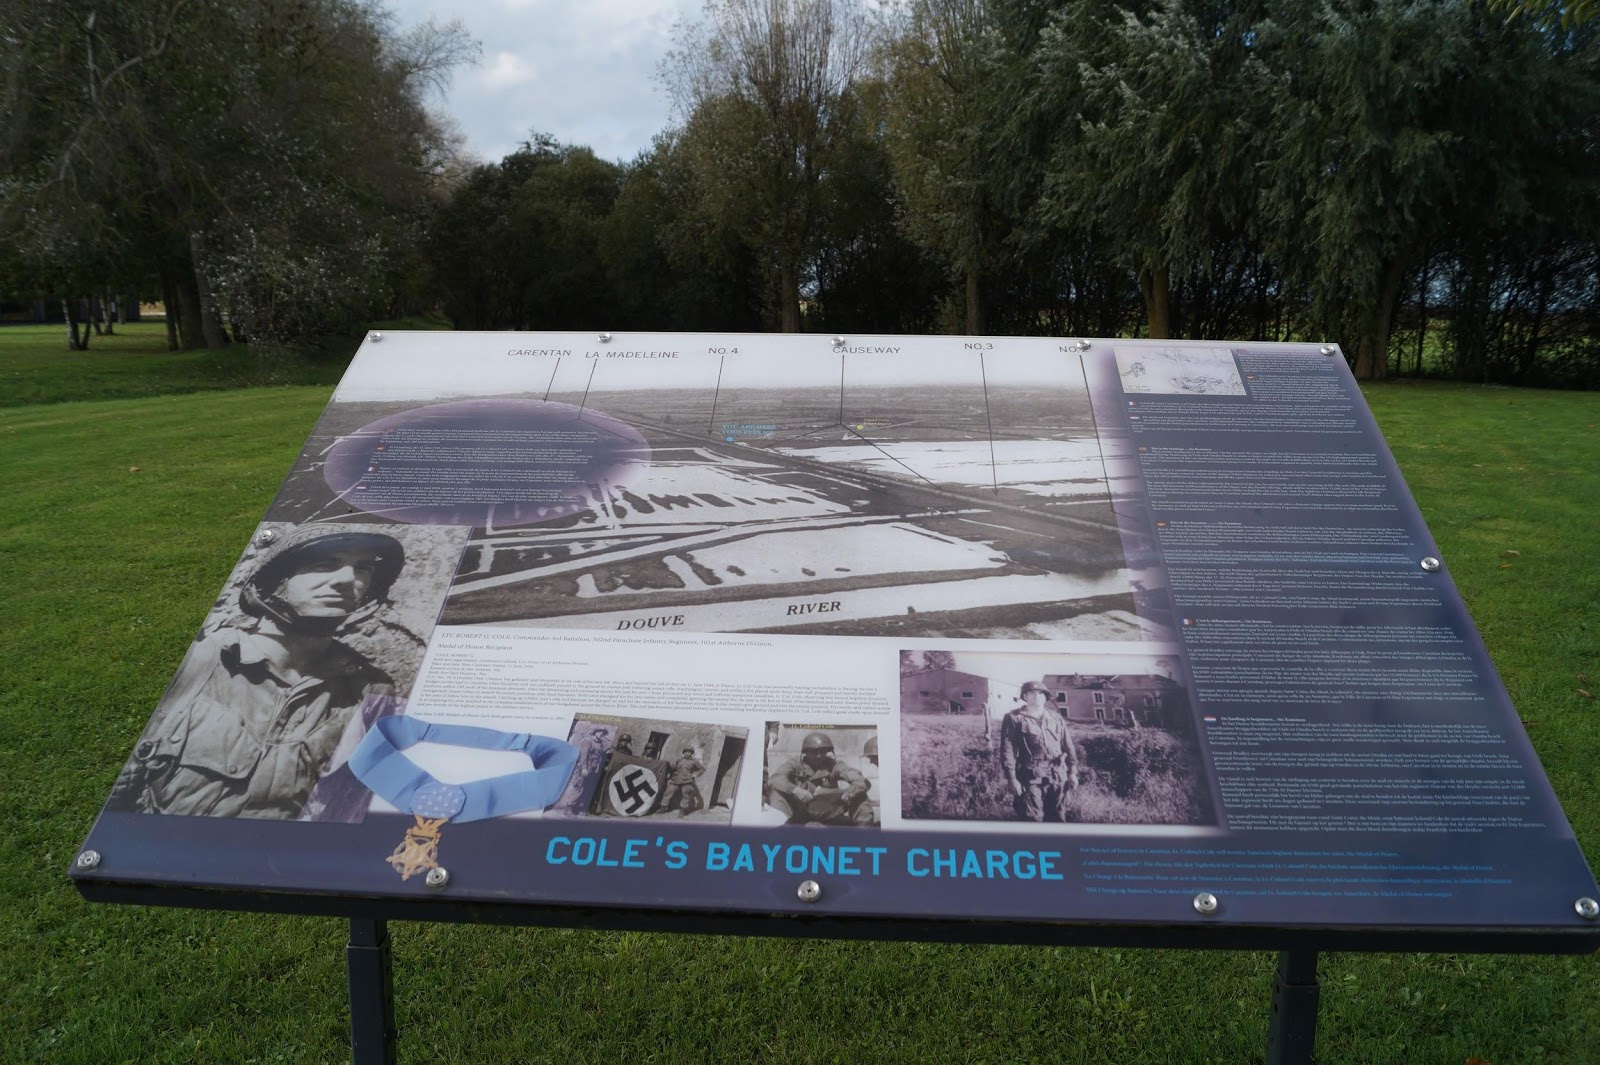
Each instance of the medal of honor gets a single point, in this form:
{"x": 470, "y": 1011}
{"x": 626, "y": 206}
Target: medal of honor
{"x": 419, "y": 851}
{"x": 379, "y": 764}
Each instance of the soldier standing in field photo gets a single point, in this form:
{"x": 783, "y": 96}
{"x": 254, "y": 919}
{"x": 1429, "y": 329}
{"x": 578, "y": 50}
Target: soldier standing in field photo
{"x": 1038, "y": 756}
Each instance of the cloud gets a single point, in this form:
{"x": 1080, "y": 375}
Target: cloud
{"x": 582, "y": 72}
{"x": 507, "y": 70}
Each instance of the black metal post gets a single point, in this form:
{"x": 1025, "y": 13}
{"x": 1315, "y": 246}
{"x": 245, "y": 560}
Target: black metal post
{"x": 371, "y": 976}
{"x": 1292, "y": 1035}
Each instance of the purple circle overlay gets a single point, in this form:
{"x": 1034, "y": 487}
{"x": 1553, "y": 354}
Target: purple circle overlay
{"x": 482, "y": 462}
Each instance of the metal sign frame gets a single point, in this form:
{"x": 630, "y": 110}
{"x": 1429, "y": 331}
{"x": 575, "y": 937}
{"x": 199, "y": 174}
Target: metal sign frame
{"x": 1145, "y": 521}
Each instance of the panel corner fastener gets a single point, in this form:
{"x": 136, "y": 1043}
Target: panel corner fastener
{"x": 91, "y": 860}
{"x": 1206, "y": 903}
{"x": 1586, "y": 907}
{"x": 810, "y": 891}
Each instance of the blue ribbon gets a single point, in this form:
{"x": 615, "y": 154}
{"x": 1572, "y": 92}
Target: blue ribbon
{"x": 378, "y": 763}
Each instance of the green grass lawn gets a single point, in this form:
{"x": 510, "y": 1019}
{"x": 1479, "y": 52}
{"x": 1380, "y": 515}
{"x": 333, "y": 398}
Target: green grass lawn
{"x": 119, "y": 521}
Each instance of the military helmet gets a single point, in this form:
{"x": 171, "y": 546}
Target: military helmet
{"x": 816, "y": 742}
{"x": 259, "y": 596}
{"x": 871, "y": 749}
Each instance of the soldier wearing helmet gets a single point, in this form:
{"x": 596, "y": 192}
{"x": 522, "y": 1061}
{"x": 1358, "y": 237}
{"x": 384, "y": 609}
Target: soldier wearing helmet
{"x": 1038, "y": 756}
{"x": 248, "y": 725}
{"x": 683, "y": 789}
{"x": 816, "y": 788}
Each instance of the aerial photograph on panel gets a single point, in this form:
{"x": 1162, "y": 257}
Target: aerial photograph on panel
{"x": 822, "y": 497}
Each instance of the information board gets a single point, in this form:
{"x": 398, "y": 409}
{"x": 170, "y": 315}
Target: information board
{"x": 995, "y": 629}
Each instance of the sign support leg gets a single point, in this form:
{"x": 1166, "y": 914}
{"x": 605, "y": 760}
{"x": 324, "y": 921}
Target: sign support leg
{"x": 1292, "y": 1034}
{"x": 371, "y": 978}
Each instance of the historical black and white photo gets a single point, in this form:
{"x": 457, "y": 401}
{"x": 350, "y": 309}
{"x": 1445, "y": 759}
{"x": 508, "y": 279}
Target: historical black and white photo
{"x": 824, "y": 497}
{"x": 645, "y": 767}
{"x": 1187, "y": 371}
{"x": 315, "y": 622}
{"x": 822, "y": 775}
{"x": 1063, "y": 738}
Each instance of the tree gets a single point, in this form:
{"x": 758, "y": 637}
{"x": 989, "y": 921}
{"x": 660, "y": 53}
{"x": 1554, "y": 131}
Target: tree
{"x": 261, "y": 159}
{"x": 938, "y": 66}
{"x": 1366, "y": 167}
{"x": 1157, "y": 127}
{"x": 761, "y": 89}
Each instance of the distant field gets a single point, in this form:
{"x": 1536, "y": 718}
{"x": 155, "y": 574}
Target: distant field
{"x": 36, "y": 367}
{"x": 119, "y": 522}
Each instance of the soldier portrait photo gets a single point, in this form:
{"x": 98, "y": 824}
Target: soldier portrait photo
{"x": 822, "y": 775}
{"x": 315, "y": 622}
{"x": 1049, "y": 738}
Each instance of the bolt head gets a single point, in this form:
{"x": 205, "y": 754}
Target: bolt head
{"x": 437, "y": 877}
{"x": 604, "y": 338}
{"x": 1587, "y": 908}
{"x": 838, "y": 342}
{"x": 810, "y": 891}
{"x": 1328, "y": 349}
{"x": 374, "y": 337}
{"x": 265, "y": 537}
{"x": 1082, "y": 345}
{"x": 1431, "y": 565}
{"x": 88, "y": 860}
{"x": 1206, "y": 903}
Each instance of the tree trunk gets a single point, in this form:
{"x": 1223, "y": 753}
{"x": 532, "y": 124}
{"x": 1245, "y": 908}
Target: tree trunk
{"x": 187, "y": 289}
{"x": 94, "y": 311}
{"x": 788, "y": 298}
{"x": 210, "y": 318}
{"x": 109, "y": 304}
{"x": 1155, "y": 285}
{"x": 1372, "y": 348}
{"x": 1422, "y": 314}
{"x": 70, "y": 313}
{"x": 169, "y": 301}
{"x": 974, "y": 300}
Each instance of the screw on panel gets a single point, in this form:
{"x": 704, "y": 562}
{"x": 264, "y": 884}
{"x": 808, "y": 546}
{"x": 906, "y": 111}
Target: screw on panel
{"x": 838, "y": 342}
{"x": 604, "y": 338}
{"x": 91, "y": 859}
{"x": 1078, "y": 345}
{"x": 1328, "y": 349}
{"x": 265, "y": 537}
{"x": 1206, "y": 903}
{"x": 1587, "y": 908}
{"x": 810, "y": 891}
{"x": 1431, "y": 565}
{"x": 438, "y": 877}
{"x": 374, "y": 337}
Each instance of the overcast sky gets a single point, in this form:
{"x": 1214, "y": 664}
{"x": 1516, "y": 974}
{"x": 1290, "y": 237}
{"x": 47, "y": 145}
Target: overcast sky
{"x": 582, "y": 70}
